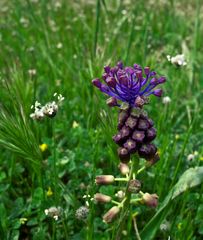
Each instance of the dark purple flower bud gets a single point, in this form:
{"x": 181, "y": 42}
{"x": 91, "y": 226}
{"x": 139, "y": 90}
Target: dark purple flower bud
{"x": 154, "y": 81}
{"x": 124, "y": 155}
{"x": 111, "y": 214}
{"x": 125, "y": 132}
{"x": 131, "y": 122}
{"x": 153, "y": 160}
{"x": 104, "y": 179}
{"x": 122, "y": 77}
{"x": 146, "y": 151}
{"x": 152, "y": 74}
{"x": 120, "y": 64}
{"x": 161, "y": 80}
{"x": 134, "y": 186}
{"x": 139, "y": 102}
{"x": 137, "y": 67}
{"x": 139, "y": 74}
{"x": 130, "y": 145}
{"x": 124, "y": 168}
{"x": 122, "y": 117}
{"x": 138, "y": 136}
{"x": 118, "y": 139}
{"x": 158, "y": 92}
{"x": 151, "y": 123}
{"x": 151, "y": 200}
{"x": 111, "y": 82}
{"x": 146, "y": 70}
{"x": 107, "y": 69}
{"x": 96, "y": 82}
{"x": 104, "y": 76}
{"x": 114, "y": 70}
{"x": 142, "y": 124}
{"x": 150, "y": 134}
{"x": 112, "y": 102}
{"x": 129, "y": 70}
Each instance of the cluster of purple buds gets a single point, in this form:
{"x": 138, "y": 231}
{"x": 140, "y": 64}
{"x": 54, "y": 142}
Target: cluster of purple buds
{"x": 135, "y": 135}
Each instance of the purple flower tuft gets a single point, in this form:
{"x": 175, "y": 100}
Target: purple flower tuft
{"x": 128, "y": 83}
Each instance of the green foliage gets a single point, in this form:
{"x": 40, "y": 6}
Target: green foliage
{"x": 190, "y": 178}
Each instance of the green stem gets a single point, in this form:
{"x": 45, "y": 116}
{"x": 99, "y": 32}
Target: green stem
{"x": 121, "y": 179}
{"x": 97, "y": 26}
{"x": 54, "y": 164}
{"x": 141, "y": 169}
{"x": 126, "y": 204}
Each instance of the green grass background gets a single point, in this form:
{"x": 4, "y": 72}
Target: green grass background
{"x": 93, "y": 34}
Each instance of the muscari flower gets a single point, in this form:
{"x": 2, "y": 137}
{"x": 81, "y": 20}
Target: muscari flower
{"x": 132, "y": 85}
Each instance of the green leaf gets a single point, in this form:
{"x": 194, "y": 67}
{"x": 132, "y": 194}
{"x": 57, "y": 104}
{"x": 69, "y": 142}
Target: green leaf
{"x": 190, "y": 178}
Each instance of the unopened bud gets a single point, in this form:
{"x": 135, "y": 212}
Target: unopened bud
{"x": 120, "y": 194}
{"x": 146, "y": 70}
{"x": 111, "y": 82}
{"x": 99, "y": 197}
{"x": 131, "y": 122}
{"x": 139, "y": 102}
{"x": 111, "y": 214}
{"x": 153, "y": 160}
{"x": 104, "y": 179}
{"x": 150, "y": 200}
{"x": 124, "y": 168}
{"x": 134, "y": 186}
{"x": 124, "y": 155}
{"x": 111, "y": 102}
{"x": 96, "y": 82}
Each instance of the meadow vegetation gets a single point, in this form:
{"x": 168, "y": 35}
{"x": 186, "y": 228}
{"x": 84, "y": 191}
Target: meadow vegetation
{"x": 48, "y": 167}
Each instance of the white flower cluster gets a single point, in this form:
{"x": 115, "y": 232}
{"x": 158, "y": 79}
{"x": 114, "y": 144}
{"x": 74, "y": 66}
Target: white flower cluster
{"x": 53, "y": 212}
{"x": 178, "y": 60}
{"x": 166, "y": 100}
{"x": 192, "y": 156}
{"x": 49, "y": 109}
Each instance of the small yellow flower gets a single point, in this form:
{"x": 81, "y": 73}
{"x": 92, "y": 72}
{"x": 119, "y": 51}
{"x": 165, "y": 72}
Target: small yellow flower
{"x": 201, "y": 158}
{"x": 75, "y": 124}
{"x": 179, "y": 226}
{"x": 23, "y": 220}
{"x": 43, "y": 147}
{"x": 177, "y": 136}
{"x": 49, "y": 192}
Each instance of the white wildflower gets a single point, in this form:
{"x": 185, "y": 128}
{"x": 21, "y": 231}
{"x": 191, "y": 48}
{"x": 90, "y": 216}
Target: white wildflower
{"x": 53, "y": 212}
{"x": 32, "y": 72}
{"x": 192, "y": 156}
{"x": 178, "y": 60}
{"x": 50, "y": 109}
{"x": 58, "y": 4}
{"x": 59, "y": 45}
{"x": 166, "y": 100}
{"x": 38, "y": 111}
{"x": 24, "y": 22}
{"x": 60, "y": 98}
{"x": 82, "y": 213}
